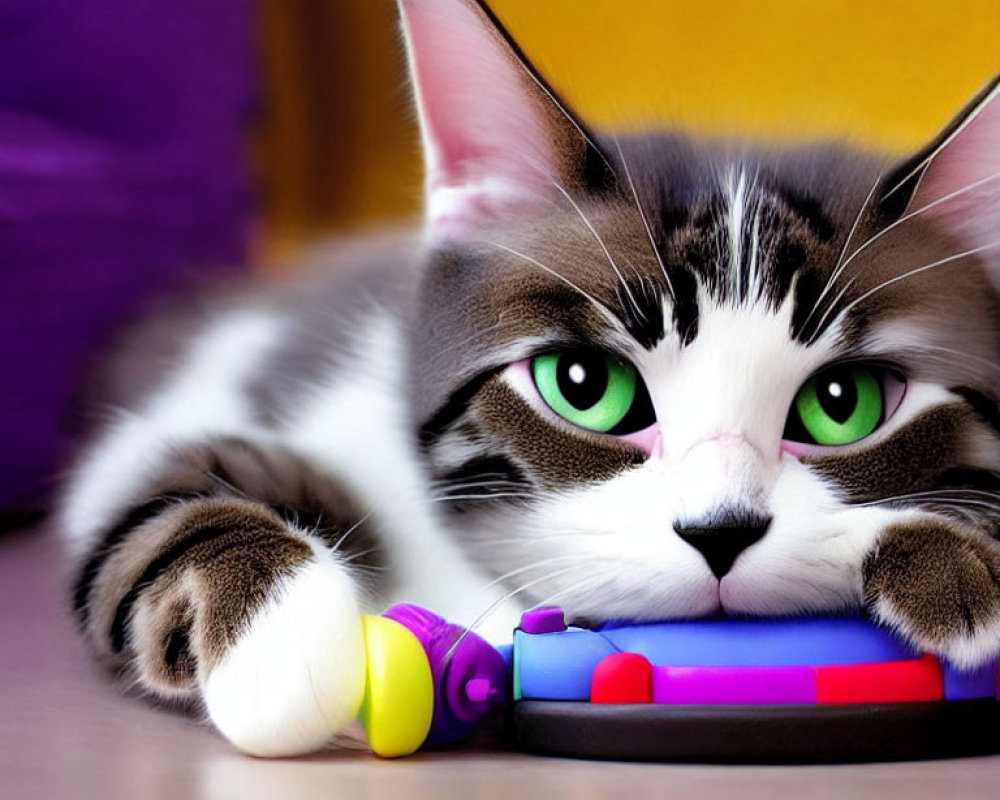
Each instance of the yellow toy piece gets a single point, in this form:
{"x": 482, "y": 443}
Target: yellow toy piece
{"x": 399, "y": 690}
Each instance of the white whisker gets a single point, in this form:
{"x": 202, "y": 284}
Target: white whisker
{"x": 922, "y": 210}
{"x": 603, "y": 246}
{"x": 599, "y": 305}
{"x": 917, "y": 271}
{"x": 505, "y": 598}
{"x": 905, "y": 218}
{"x": 349, "y": 531}
{"x": 491, "y": 496}
{"x": 835, "y": 273}
{"x": 642, "y": 215}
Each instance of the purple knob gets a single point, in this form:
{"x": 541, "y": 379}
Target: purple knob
{"x": 547, "y": 619}
{"x": 480, "y": 690}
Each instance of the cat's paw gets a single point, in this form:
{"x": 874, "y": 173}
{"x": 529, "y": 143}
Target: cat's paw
{"x": 938, "y": 587}
{"x": 296, "y": 675}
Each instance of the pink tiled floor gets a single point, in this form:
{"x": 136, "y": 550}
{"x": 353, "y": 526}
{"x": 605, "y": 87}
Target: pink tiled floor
{"x": 65, "y": 732}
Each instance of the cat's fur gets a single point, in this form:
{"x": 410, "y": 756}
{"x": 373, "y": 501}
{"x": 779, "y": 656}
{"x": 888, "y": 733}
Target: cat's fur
{"x": 372, "y": 434}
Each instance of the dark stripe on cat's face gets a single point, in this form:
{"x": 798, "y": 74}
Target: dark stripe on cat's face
{"x": 547, "y": 454}
{"x": 453, "y": 410}
{"x": 481, "y": 480}
{"x": 685, "y": 303}
{"x": 640, "y": 308}
{"x": 911, "y": 460}
{"x": 810, "y": 210}
{"x": 986, "y": 408}
{"x": 523, "y": 454}
{"x": 786, "y": 234}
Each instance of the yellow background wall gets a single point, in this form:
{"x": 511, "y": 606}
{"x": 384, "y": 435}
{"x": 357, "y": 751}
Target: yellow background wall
{"x": 338, "y": 144}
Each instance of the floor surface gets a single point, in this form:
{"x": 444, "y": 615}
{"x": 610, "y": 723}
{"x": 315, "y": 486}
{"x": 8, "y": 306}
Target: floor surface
{"x": 65, "y": 732}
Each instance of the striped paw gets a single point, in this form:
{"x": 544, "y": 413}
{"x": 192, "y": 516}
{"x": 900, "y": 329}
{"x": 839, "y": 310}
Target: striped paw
{"x": 221, "y": 603}
{"x": 939, "y": 587}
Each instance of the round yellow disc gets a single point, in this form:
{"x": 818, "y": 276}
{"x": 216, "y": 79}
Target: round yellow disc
{"x": 399, "y": 690}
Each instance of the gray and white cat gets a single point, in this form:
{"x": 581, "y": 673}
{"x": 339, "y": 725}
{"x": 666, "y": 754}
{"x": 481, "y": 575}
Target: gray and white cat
{"x": 643, "y": 377}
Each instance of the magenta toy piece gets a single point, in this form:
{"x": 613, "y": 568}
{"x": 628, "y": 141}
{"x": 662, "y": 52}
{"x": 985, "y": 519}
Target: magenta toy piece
{"x": 469, "y": 675}
{"x": 733, "y": 685}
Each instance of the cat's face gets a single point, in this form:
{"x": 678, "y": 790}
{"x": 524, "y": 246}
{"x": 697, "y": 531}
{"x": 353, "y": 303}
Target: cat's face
{"x": 659, "y": 379}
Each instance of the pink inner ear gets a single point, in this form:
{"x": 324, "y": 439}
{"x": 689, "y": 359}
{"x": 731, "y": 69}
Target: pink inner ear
{"x": 485, "y": 134}
{"x": 968, "y": 167}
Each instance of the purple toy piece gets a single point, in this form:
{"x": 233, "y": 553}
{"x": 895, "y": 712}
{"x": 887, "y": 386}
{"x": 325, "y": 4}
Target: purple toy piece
{"x": 734, "y": 685}
{"x": 469, "y": 675}
{"x": 545, "y": 619}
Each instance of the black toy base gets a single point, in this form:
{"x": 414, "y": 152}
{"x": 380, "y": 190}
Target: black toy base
{"x": 758, "y": 734}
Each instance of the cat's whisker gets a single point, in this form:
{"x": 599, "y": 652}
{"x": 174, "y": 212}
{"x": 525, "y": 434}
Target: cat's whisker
{"x": 229, "y": 487}
{"x": 831, "y": 308}
{"x": 492, "y": 607}
{"x": 589, "y": 581}
{"x": 934, "y": 264}
{"x": 465, "y": 344}
{"x": 835, "y": 273}
{"x": 642, "y": 216}
{"x": 552, "y": 98}
{"x": 604, "y": 310}
{"x": 445, "y": 490}
{"x": 604, "y": 248}
{"x": 922, "y": 210}
{"x": 535, "y": 537}
{"x": 985, "y": 362}
{"x": 359, "y": 555}
{"x": 490, "y": 496}
{"x": 486, "y": 479}
{"x": 340, "y": 541}
{"x": 938, "y": 495}
{"x": 534, "y": 565}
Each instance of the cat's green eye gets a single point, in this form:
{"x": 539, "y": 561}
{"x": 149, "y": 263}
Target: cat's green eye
{"x": 838, "y": 406}
{"x": 593, "y": 391}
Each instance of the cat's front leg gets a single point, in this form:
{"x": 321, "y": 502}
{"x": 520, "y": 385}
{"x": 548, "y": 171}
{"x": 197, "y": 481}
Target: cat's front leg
{"x": 246, "y": 607}
{"x": 939, "y": 586}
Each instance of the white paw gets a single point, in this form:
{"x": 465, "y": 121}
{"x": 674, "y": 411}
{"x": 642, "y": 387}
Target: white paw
{"x": 297, "y": 675}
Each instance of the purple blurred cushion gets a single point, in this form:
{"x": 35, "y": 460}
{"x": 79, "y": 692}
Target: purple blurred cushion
{"x": 122, "y": 167}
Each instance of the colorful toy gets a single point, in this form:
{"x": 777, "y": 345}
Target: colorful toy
{"x": 428, "y": 682}
{"x": 802, "y": 689}
{"x": 796, "y": 689}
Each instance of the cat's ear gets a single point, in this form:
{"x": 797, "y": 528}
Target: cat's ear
{"x": 495, "y": 136}
{"x": 955, "y": 180}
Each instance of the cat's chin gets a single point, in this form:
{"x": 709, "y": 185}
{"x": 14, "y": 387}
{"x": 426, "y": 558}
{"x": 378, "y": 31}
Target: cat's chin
{"x": 739, "y": 596}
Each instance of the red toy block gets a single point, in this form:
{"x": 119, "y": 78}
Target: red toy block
{"x": 622, "y": 678}
{"x": 912, "y": 681}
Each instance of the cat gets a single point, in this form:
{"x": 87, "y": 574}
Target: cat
{"x": 642, "y": 377}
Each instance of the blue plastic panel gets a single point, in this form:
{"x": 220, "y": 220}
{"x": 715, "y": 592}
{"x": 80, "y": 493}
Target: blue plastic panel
{"x": 760, "y": 643}
{"x": 558, "y": 666}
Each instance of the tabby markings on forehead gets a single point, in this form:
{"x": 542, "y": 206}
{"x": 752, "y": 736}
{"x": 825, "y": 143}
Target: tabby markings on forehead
{"x": 747, "y": 244}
